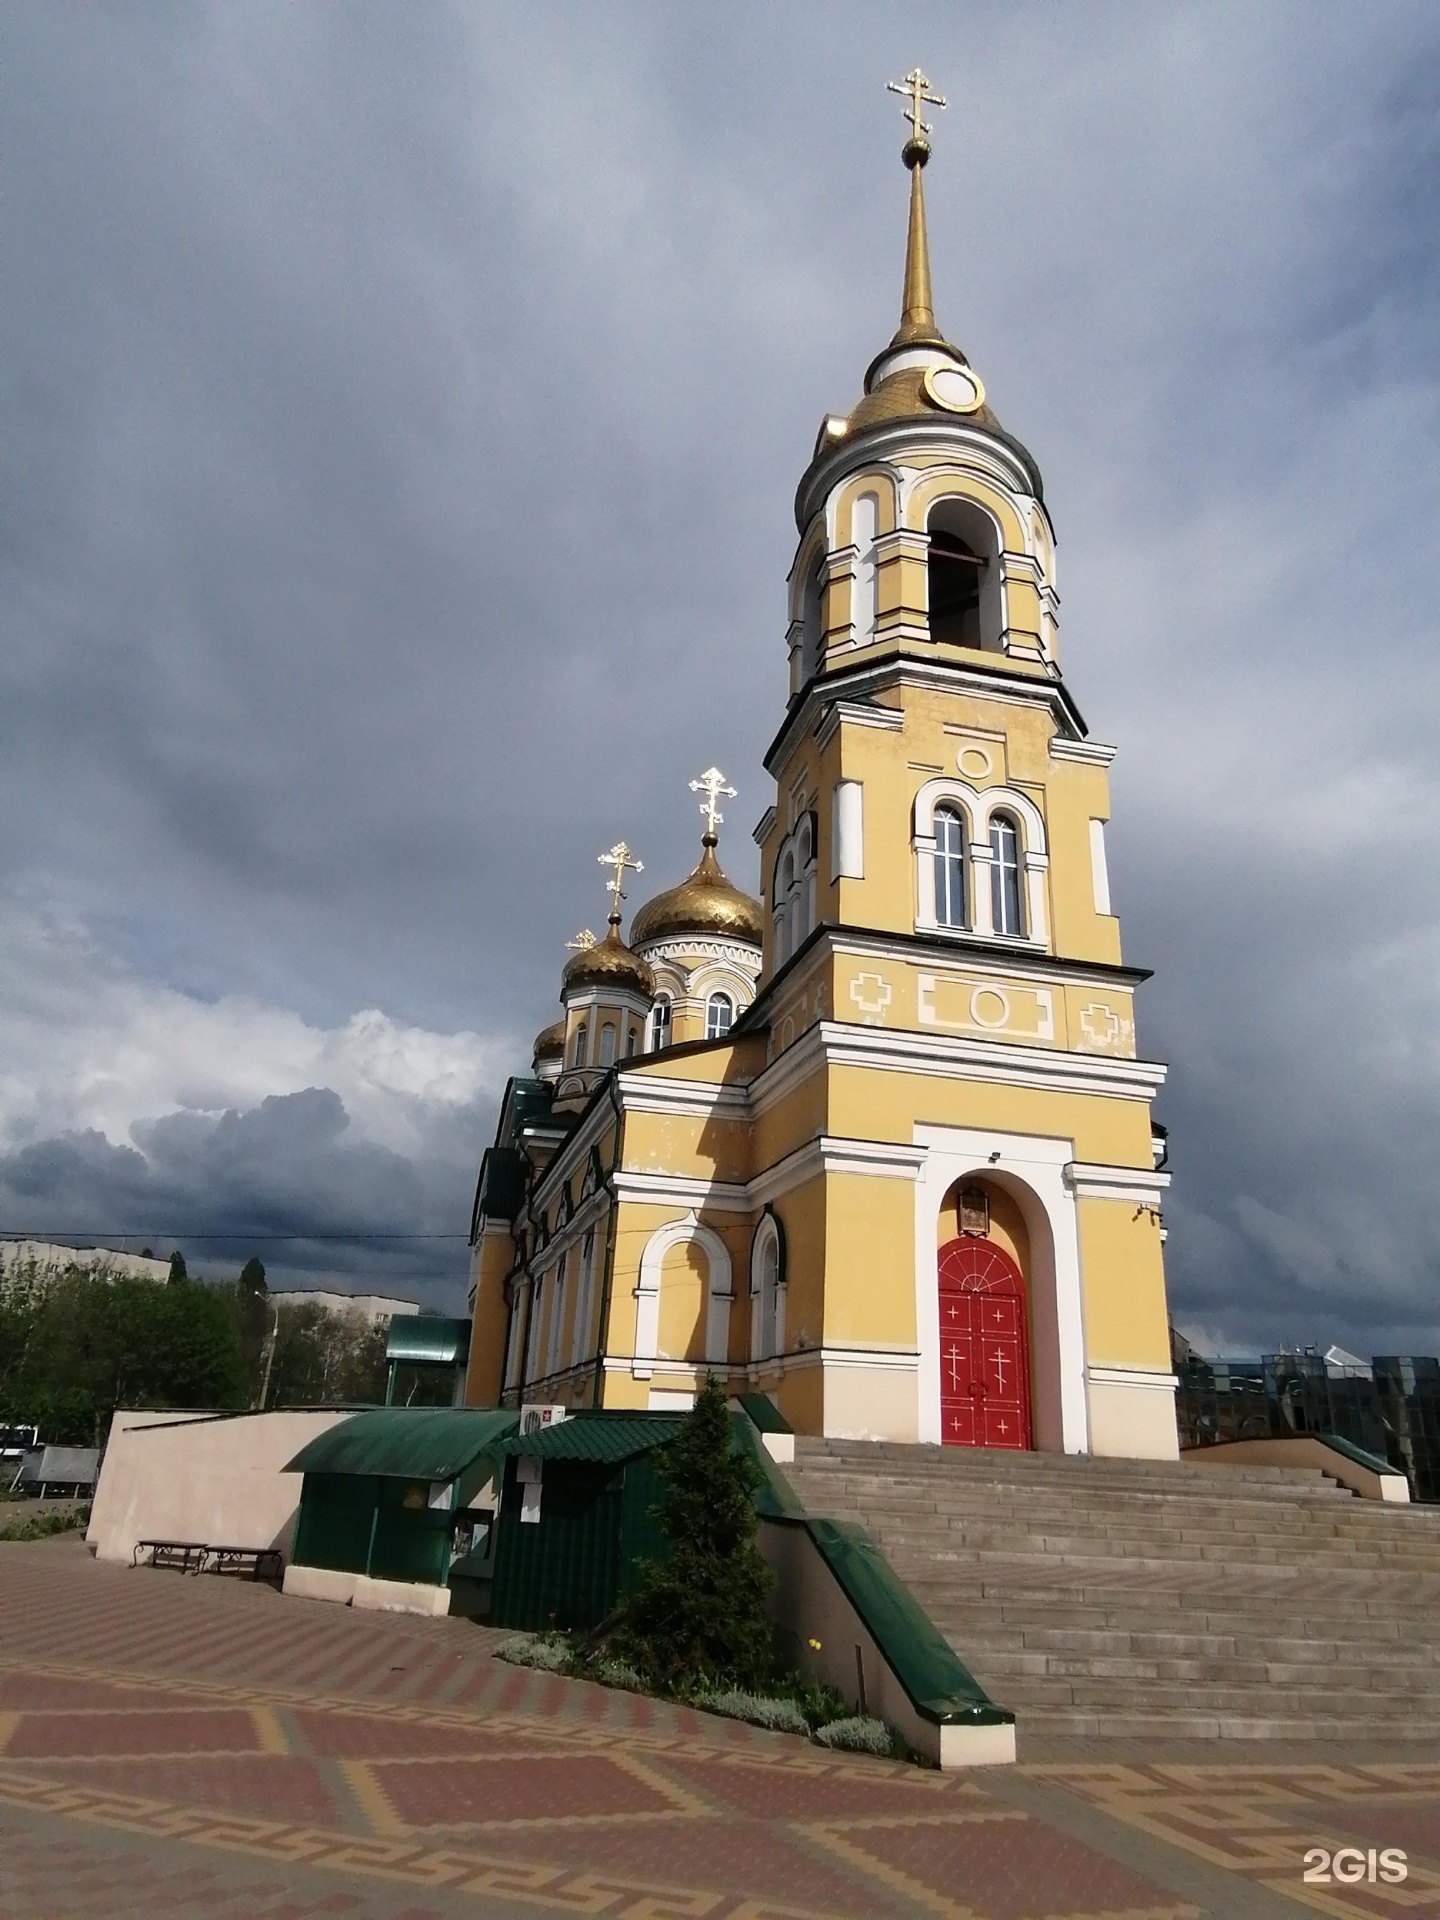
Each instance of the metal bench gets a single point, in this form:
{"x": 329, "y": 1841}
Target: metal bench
{"x": 260, "y": 1563}
{"x": 185, "y": 1556}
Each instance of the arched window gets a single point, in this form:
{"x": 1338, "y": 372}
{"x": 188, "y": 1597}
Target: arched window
{"x": 954, "y": 580}
{"x": 719, "y": 1012}
{"x": 607, "y": 1045}
{"x": 767, "y": 1291}
{"x": 805, "y": 879}
{"x": 810, "y": 638}
{"x": 557, "y": 1316}
{"x": 1006, "y": 904}
{"x": 660, "y": 1023}
{"x": 584, "y": 1301}
{"x": 632, "y": 1044}
{"x": 578, "y": 1055}
{"x": 785, "y": 911}
{"x": 864, "y": 521}
{"x": 950, "y": 890}
{"x": 963, "y": 575}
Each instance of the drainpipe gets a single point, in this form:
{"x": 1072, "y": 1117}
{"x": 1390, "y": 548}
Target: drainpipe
{"x": 613, "y": 1085}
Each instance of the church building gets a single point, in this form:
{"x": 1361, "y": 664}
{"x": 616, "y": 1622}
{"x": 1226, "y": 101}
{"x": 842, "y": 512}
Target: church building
{"x": 877, "y": 1144}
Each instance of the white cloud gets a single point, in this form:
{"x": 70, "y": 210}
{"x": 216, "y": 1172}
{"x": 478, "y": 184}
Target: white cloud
{"x": 92, "y": 1042}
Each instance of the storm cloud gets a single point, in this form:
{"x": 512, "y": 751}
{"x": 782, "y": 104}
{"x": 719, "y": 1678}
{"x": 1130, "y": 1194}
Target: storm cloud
{"x": 403, "y": 410}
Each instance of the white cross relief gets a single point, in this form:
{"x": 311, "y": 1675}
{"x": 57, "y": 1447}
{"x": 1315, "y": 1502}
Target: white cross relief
{"x": 999, "y": 1360}
{"x": 954, "y": 1311}
{"x": 1100, "y": 1024}
{"x": 954, "y": 1358}
{"x": 1004, "y": 1428}
{"x": 872, "y": 994}
{"x": 999, "y": 1316}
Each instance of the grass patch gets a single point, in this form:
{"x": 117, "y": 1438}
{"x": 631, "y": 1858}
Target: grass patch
{"x": 41, "y": 1526}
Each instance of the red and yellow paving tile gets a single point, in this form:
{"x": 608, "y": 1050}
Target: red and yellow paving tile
{"x": 173, "y": 1744}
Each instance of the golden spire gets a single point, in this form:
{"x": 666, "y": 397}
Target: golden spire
{"x": 713, "y": 785}
{"x": 622, "y": 860}
{"x": 917, "y": 312}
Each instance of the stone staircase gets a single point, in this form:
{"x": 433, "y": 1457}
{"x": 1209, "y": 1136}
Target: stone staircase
{"x": 1143, "y": 1599}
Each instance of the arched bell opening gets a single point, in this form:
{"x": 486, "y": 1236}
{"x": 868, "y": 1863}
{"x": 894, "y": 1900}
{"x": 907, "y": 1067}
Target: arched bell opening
{"x": 963, "y": 576}
{"x": 983, "y": 1260}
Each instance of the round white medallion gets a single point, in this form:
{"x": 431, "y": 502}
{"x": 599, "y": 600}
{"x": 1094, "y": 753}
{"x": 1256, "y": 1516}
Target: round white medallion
{"x": 956, "y": 389}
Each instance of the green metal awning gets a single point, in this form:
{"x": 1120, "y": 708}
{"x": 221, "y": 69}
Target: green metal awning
{"x": 607, "y": 1438}
{"x": 407, "y": 1443}
{"x": 429, "y": 1339}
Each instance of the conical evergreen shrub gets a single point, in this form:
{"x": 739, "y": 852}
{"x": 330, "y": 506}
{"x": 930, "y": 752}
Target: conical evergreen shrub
{"x": 701, "y": 1619}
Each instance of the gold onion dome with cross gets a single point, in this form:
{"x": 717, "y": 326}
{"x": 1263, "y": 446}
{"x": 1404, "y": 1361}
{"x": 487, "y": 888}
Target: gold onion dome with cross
{"x": 705, "y": 902}
{"x": 920, "y": 375}
{"x": 609, "y": 962}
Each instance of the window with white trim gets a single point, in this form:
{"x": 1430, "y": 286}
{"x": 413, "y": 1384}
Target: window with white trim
{"x": 719, "y": 1012}
{"x": 951, "y": 901}
{"x": 632, "y": 1043}
{"x": 1007, "y": 910}
{"x": 580, "y": 1340}
{"x": 659, "y": 1023}
{"x": 607, "y": 1045}
{"x": 557, "y": 1316}
{"x": 577, "y": 1057}
{"x": 767, "y": 1292}
{"x": 532, "y": 1330}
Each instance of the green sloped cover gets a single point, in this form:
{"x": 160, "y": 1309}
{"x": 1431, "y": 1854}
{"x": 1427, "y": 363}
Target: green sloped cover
{"x": 604, "y": 1438}
{"x": 410, "y": 1443}
{"x": 941, "y": 1686}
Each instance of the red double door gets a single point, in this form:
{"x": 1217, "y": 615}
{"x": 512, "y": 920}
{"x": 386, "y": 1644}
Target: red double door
{"x": 984, "y": 1365}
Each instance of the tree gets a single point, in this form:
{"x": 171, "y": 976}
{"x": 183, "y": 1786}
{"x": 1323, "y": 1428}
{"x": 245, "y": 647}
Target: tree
{"x": 178, "y": 1269}
{"x": 701, "y": 1616}
{"x": 77, "y": 1345}
{"x": 324, "y": 1358}
{"x": 252, "y": 1299}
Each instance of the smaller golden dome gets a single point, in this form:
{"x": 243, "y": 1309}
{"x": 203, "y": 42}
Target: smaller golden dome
{"x": 609, "y": 963}
{"x": 549, "y": 1043}
{"x": 703, "y": 903}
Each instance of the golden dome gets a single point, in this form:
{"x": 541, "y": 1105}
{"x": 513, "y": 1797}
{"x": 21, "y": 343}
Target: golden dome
{"x": 704, "y": 903}
{"x": 549, "y": 1043}
{"x": 609, "y": 963}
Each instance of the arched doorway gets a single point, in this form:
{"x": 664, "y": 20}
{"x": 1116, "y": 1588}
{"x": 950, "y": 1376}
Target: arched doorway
{"x": 984, "y": 1357}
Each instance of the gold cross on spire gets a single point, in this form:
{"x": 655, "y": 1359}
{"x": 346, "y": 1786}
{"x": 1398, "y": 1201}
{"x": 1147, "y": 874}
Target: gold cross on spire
{"x": 582, "y": 942}
{"x": 621, "y": 858}
{"x": 713, "y": 785}
{"x": 917, "y": 85}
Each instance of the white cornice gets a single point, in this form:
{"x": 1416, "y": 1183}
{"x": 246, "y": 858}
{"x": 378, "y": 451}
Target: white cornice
{"x": 1149, "y": 1379}
{"x": 1089, "y": 753}
{"x": 682, "y": 1190}
{"x": 658, "y": 1093}
{"x": 858, "y": 713}
{"x": 956, "y": 1057}
{"x": 760, "y": 833}
{"x": 1091, "y": 1181}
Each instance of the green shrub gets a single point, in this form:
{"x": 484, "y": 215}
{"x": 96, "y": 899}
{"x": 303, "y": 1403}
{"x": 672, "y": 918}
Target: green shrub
{"x": 700, "y": 1620}
{"x": 857, "y": 1735}
{"x": 41, "y": 1526}
{"x": 780, "y": 1716}
{"x": 525, "y": 1650}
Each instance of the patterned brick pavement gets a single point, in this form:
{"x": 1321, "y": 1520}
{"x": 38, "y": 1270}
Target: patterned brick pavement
{"x": 171, "y": 1744}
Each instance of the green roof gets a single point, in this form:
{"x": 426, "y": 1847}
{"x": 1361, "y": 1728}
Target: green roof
{"x": 429, "y": 1337}
{"x": 607, "y": 1438}
{"x": 406, "y": 1443}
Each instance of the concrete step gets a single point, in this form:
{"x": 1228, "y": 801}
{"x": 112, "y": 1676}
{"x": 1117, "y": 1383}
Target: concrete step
{"x": 1152, "y": 1599}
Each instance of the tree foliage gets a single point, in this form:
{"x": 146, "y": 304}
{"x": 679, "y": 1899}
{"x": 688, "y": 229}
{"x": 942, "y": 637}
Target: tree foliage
{"x": 324, "y": 1358}
{"x": 76, "y": 1345}
{"x": 700, "y": 1619}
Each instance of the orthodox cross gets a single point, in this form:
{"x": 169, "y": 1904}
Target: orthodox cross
{"x": 917, "y": 86}
{"x": 621, "y": 858}
{"x": 713, "y": 785}
{"x": 582, "y": 942}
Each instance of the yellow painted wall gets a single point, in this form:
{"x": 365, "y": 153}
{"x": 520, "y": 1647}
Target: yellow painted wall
{"x": 1124, "y": 1286}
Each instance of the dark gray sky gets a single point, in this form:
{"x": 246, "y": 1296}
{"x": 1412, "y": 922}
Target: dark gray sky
{"x": 402, "y": 410}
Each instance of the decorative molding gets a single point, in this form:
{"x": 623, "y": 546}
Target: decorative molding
{"x": 679, "y": 1189}
{"x": 1148, "y": 1379}
{"x": 858, "y": 713}
{"x": 701, "y": 1099}
{"x": 1088, "y": 1180}
{"x": 760, "y": 832}
{"x": 1088, "y": 753}
{"x": 887, "y": 1359}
